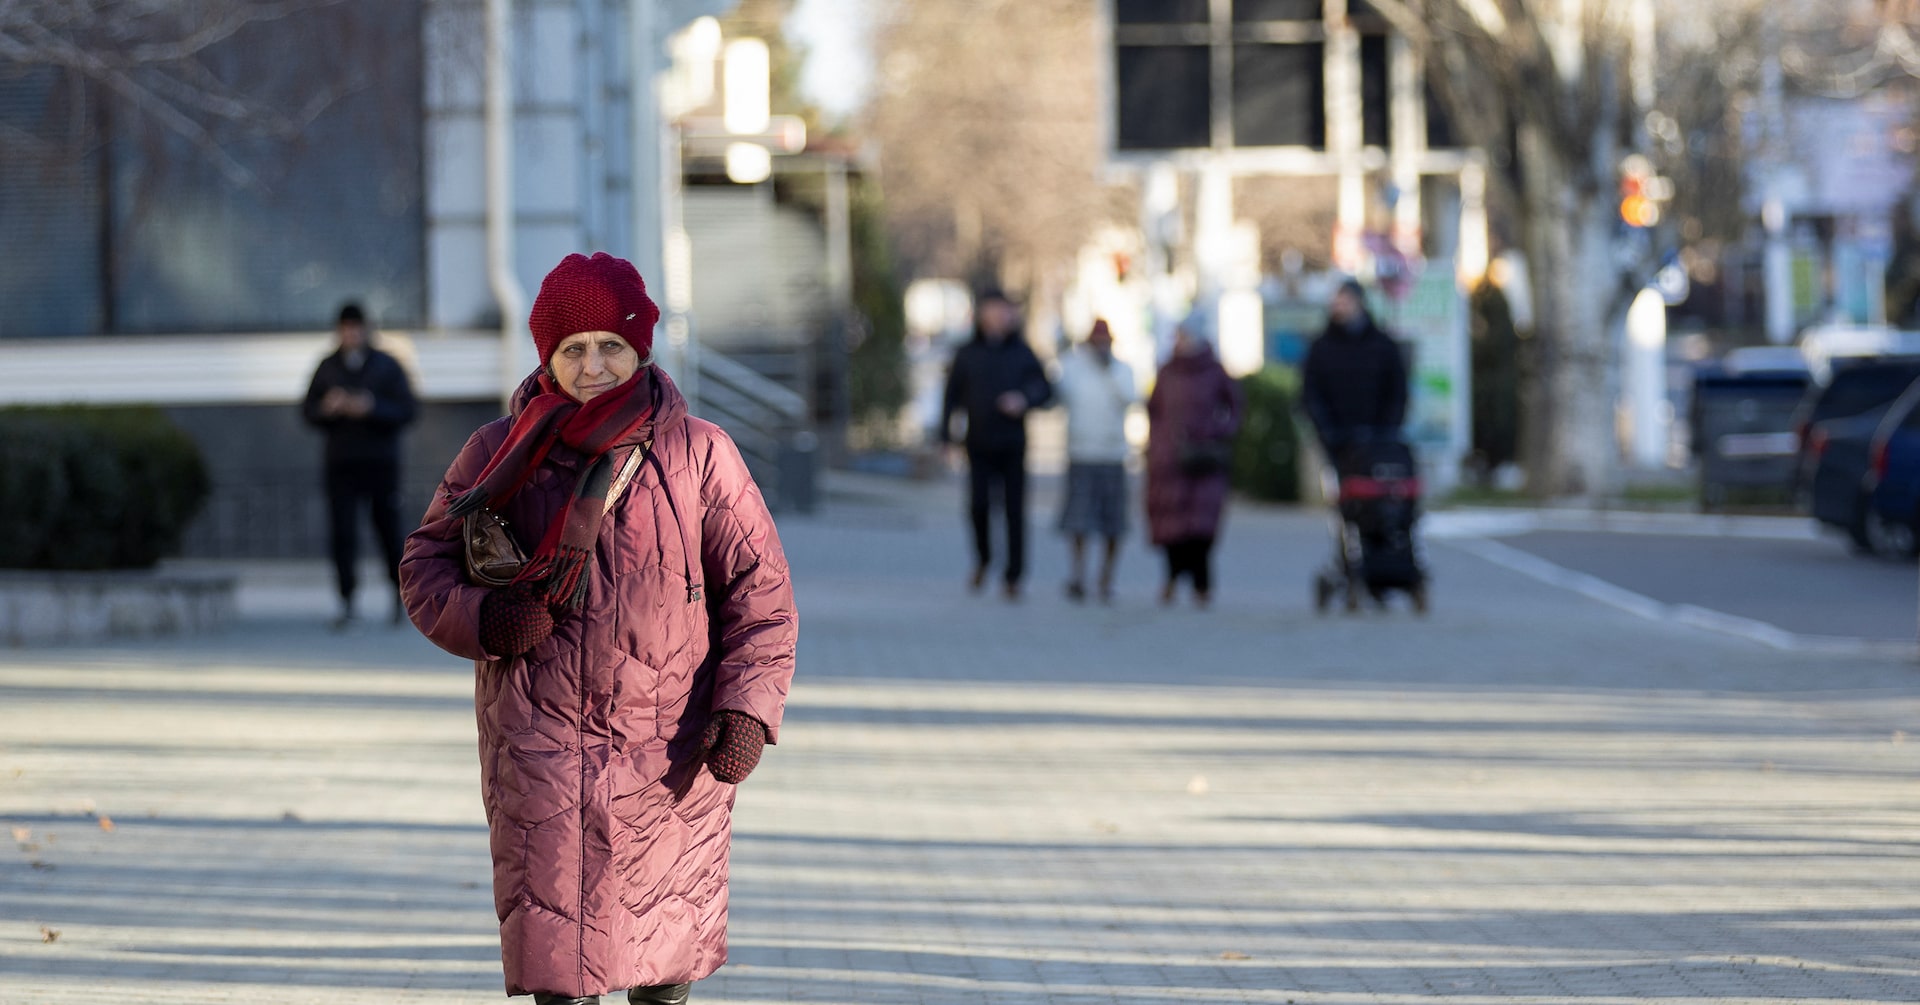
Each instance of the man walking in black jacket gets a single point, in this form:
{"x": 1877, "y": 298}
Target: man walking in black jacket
{"x": 995, "y": 381}
{"x": 1354, "y": 380}
{"x": 361, "y": 398}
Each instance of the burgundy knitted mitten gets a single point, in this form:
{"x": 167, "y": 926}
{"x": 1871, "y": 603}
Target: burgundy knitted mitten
{"x": 513, "y": 621}
{"x": 732, "y": 743}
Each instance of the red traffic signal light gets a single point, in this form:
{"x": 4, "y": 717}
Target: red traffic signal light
{"x": 1640, "y": 194}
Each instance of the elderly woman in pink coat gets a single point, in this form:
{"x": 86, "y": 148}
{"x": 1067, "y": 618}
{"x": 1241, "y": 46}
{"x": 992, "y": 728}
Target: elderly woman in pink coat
{"x": 629, "y": 675}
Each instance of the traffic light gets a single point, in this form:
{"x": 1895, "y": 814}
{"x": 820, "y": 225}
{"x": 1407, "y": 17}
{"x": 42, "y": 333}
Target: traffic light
{"x": 1641, "y": 192}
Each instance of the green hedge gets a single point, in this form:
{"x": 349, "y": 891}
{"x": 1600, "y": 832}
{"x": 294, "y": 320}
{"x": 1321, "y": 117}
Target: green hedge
{"x": 95, "y": 488}
{"x": 1266, "y": 454}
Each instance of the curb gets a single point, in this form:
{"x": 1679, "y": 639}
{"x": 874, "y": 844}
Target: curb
{"x": 54, "y": 608}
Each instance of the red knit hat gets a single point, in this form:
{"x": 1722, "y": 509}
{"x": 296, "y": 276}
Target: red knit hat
{"x": 598, "y": 294}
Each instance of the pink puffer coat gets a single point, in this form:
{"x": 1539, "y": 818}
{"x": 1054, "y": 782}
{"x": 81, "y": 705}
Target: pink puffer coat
{"x": 610, "y": 836}
{"x": 1193, "y": 402}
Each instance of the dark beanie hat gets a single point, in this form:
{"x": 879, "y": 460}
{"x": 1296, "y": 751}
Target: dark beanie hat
{"x": 598, "y": 294}
{"x": 351, "y": 314}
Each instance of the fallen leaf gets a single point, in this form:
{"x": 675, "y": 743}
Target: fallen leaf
{"x": 106, "y": 823}
{"x": 290, "y": 817}
{"x": 1233, "y": 954}
{"x": 49, "y": 934}
{"x": 22, "y": 835}
{"x": 42, "y": 866}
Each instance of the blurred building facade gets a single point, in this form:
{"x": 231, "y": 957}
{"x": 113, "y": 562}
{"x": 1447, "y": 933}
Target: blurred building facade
{"x": 142, "y": 267}
{"x": 1278, "y": 145}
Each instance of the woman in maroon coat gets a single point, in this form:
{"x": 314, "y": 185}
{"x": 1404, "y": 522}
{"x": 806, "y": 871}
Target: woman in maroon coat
{"x": 629, "y": 676}
{"x": 1194, "y": 412}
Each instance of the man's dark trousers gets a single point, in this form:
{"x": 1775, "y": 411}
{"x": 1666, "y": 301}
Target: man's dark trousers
{"x": 350, "y": 485}
{"x": 1004, "y": 470}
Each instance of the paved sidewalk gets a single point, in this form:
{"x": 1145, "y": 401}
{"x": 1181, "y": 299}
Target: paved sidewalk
{"x": 1527, "y": 797}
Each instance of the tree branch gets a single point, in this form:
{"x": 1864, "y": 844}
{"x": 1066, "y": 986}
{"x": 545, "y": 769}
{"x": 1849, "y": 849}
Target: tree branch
{"x": 148, "y": 53}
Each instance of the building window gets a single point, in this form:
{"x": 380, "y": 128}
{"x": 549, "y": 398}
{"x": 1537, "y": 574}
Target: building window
{"x": 143, "y": 231}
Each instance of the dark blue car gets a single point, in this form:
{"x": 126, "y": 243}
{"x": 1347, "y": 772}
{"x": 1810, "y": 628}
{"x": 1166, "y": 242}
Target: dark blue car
{"x": 1839, "y": 452}
{"x": 1892, "y": 481}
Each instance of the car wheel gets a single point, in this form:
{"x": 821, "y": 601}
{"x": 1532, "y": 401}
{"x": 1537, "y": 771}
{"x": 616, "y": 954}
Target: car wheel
{"x": 1887, "y": 538}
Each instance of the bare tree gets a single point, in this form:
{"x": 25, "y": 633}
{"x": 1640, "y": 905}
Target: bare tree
{"x": 150, "y": 54}
{"x": 1561, "y": 93}
{"x": 986, "y": 115}
{"x": 1846, "y": 48}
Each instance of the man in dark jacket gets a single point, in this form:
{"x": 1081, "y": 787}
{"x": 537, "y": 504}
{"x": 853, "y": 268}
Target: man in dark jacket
{"x": 1354, "y": 380}
{"x": 361, "y": 399}
{"x": 995, "y": 381}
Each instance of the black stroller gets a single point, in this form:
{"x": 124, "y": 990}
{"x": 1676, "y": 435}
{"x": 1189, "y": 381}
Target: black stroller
{"x": 1375, "y": 485}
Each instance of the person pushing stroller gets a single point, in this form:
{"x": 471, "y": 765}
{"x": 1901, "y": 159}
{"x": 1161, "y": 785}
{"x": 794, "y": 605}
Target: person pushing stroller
{"x": 1354, "y": 390}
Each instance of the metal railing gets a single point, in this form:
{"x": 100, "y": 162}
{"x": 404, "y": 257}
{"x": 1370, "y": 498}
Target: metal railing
{"x": 770, "y": 422}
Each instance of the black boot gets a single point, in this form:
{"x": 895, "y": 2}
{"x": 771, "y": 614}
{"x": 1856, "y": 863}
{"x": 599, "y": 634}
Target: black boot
{"x": 660, "y": 994}
{"x": 545, "y": 999}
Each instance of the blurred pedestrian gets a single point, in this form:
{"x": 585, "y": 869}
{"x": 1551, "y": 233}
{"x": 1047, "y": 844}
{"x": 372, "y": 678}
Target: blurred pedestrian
{"x": 361, "y": 399}
{"x": 1194, "y": 412}
{"x": 1096, "y": 391}
{"x": 1354, "y": 380}
{"x": 995, "y": 381}
{"x": 631, "y": 672}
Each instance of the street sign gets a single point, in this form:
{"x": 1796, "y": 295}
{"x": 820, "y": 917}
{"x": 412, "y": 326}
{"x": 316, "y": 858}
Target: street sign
{"x": 1432, "y": 321}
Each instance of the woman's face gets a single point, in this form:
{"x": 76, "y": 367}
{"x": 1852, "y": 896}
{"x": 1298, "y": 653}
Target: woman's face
{"x": 589, "y": 364}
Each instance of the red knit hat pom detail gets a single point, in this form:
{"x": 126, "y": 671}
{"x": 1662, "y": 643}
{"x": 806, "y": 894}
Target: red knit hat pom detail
{"x": 598, "y": 294}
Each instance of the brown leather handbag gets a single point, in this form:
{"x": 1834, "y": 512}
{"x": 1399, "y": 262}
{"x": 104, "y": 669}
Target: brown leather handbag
{"x": 494, "y": 558}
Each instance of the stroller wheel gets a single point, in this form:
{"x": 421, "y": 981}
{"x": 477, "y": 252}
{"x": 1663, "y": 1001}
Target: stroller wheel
{"x": 1322, "y": 593}
{"x": 1419, "y": 595}
{"x": 1353, "y": 598}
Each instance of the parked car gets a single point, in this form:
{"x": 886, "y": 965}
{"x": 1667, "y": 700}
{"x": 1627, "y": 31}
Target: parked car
{"x": 1892, "y": 483}
{"x": 1837, "y": 454}
{"x": 1856, "y": 386}
{"x": 1740, "y": 423}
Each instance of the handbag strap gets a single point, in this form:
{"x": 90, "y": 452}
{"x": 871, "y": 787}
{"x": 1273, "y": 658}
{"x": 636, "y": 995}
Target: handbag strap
{"x": 626, "y": 473}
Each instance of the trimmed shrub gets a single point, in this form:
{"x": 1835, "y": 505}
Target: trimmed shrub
{"x": 95, "y": 488}
{"x": 1266, "y": 455}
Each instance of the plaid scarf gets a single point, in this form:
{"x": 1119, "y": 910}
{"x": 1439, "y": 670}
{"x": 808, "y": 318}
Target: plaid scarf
{"x": 557, "y": 569}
